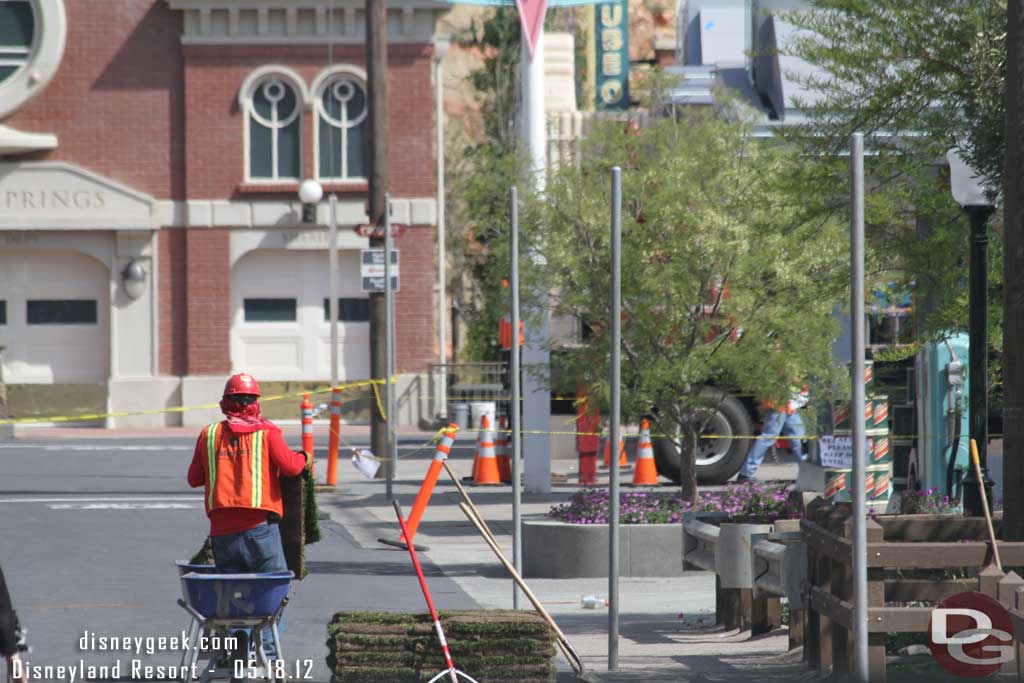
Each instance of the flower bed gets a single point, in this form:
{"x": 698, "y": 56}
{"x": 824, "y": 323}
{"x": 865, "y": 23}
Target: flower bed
{"x": 763, "y": 501}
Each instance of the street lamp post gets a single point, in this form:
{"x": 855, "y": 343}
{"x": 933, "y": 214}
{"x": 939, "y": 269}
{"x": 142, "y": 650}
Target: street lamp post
{"x": 310, "y": 194}
{"x": 970, "y": 193}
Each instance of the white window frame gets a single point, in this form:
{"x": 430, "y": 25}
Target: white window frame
{"x": 255, "y": 80}
{"x": 324, "y": 80}
{"x": 41, "y": 60}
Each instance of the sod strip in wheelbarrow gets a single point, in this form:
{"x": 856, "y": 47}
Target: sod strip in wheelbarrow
{"x": 492, "y": 645}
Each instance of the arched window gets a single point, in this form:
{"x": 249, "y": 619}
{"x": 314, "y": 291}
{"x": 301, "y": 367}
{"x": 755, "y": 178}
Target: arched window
{"x": 273, "y": 121}
{"x": 17, "y": 31}
{"x": 341, "y": 109}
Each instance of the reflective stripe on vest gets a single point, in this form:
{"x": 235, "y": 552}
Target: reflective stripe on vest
{"x": 257, "y": 469}
{"x": 211, "y": 458}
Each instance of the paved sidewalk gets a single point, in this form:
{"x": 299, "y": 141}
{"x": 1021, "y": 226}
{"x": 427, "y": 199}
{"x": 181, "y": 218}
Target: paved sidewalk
{"x": 666, "y": 624}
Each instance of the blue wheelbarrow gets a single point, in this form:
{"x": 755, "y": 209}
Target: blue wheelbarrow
{"x": 220, "y": 604}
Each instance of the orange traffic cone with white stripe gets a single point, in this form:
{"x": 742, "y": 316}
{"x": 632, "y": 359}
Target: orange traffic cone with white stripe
{"x": 486, "y": 471}
{"x": 503, "y": 452}
{"x": 623, "y": 462}
{"x": 645, "y": 472}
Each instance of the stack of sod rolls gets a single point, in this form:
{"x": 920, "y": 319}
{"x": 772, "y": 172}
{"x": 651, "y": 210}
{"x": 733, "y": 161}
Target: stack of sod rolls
{"x": 495, "y": 646}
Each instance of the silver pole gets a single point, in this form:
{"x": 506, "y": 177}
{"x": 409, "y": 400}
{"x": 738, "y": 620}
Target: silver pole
{"x": 860, "y": 543}
{"x": 442, "y": 306}
{"x": 332, "y": 287}
{"x": 514, "y": 404}
{"x": 616, "y": 343}
{"x": 389, "y": 348}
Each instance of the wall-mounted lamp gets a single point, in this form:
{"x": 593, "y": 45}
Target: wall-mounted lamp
{"x": 310, "y": 194}
{"x": 134, "y": 277}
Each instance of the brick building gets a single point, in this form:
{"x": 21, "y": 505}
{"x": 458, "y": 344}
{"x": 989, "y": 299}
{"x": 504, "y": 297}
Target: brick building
{"x": 151, "y": 239}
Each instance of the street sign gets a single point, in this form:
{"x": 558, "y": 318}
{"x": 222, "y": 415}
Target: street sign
{"x": 837, "y": 451}
{"x": 531, "y": 18}
{"x": 371, "y": 270}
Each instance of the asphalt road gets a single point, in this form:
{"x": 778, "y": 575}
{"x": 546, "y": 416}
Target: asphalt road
{"x": 90, "y": 530}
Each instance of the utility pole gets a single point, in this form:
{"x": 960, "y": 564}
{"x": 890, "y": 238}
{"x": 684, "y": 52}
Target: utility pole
{"x": 377, "y": 86}
{"x": 1013, "y": 278}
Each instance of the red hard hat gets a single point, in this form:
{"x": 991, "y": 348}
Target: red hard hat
{"x": 241, "y": 384}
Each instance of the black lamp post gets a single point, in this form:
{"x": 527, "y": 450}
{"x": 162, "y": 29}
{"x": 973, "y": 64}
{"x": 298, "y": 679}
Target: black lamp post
{"x": 970, "y": 193}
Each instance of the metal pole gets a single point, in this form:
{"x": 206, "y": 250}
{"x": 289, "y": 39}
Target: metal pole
{"x": 379, "y": 172}
{"x": 332, "y": 286}
{"x": 442, "y": 278}
{"x": 614, "y": 435}
{"x": 977, "y": 370}
{"x": 515, "y": 404}
{"x": 860, "y": 543}
{"x": 389, "y": 349}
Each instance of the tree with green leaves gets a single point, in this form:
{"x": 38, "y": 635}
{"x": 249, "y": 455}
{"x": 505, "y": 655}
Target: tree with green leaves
{"x": 917, "y": 78}
{"x": 724, "y": 281}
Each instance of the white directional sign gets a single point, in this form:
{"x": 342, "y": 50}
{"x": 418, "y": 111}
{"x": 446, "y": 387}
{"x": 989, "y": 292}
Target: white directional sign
{"x": 371, "y": 270}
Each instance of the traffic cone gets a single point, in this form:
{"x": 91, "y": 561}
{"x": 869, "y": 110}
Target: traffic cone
{"x": 622, "y": 453}
{"x": 503, "y": 452}
{"x": 645, "y": 472}
{"x": 486, "y": 470}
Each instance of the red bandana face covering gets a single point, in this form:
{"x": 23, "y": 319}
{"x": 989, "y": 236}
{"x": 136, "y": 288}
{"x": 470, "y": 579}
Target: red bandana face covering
{"x": 244, "y": 419}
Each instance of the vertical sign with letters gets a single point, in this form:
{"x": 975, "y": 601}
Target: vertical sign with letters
{"x": 611, "y": 27}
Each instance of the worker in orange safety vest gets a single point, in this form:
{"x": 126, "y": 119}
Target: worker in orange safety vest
{"x": 239, "y": 461}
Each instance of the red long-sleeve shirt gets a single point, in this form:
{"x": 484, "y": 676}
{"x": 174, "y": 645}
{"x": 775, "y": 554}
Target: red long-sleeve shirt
{"x": 224, "y": 521}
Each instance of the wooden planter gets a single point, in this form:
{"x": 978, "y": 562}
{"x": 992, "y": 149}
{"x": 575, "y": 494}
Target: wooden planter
{"x": 921, "y": 547}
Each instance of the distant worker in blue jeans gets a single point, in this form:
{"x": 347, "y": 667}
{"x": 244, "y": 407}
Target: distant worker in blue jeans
{"x": 777, "y": 422}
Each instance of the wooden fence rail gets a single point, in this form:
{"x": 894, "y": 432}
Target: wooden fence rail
{"x": 906, "y": 564}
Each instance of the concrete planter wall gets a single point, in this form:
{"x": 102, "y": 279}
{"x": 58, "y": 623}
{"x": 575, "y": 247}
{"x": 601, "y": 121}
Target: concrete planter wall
{"x": 558, "y": 550}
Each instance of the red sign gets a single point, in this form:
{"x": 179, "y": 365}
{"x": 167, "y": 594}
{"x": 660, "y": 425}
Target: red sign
{"x": 970, "y": 635}
{"x": 531, "y": 16}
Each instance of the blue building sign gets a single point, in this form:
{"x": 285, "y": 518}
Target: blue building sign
{"x": 612, "y": 55}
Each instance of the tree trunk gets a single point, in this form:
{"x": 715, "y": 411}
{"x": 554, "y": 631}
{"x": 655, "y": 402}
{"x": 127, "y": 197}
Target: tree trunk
{"x": 1013, "y": 274}
{"x": 688, "y": 463}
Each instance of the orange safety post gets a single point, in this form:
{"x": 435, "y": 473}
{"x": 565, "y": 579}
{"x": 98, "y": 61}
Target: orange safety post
{"x": 307, "y": 425}
{"x": 427, "y": 487}
{"x": 588, "y": 443}
{"x": 334, "y": 438}
{"x": 646, "y": 471}
{"x": 433, "y": 472}
{"x": 503, "y": 452}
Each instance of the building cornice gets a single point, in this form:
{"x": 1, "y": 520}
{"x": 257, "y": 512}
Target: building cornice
{"x": 291, "y": 22}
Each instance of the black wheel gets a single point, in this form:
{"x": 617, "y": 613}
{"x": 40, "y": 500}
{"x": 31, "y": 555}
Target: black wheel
{"x": 717, "y": 459}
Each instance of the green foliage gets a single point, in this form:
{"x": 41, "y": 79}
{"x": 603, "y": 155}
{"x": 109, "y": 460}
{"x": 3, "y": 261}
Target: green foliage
{"x": 916, "y": 78}
{"x": 724, "y": 280}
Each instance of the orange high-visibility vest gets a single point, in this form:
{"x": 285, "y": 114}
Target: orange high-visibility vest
{"x": 238, "y": 472}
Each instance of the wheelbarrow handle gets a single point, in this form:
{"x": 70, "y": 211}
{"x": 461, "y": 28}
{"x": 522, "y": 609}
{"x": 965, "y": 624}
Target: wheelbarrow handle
{"x": 188, "y": 608}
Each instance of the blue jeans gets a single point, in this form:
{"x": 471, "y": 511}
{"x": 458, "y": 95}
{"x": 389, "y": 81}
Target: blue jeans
{"x": 776, "y": 423}
{"x": 255, "y": 551}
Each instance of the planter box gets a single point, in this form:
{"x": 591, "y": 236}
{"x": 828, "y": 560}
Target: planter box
{"x": 559, "y": 550}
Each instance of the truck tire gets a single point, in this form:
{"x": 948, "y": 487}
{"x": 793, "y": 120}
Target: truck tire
{"x": 717, "y": 459}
